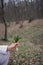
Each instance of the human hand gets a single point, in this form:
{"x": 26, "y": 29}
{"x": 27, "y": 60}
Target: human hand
{"x": 12, "y": 46}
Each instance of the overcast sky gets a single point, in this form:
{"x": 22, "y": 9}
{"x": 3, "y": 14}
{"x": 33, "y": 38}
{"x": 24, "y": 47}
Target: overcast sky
{"x": 8, "y": 0}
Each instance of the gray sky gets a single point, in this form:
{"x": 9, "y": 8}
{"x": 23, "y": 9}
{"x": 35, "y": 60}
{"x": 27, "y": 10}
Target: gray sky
{"x": 8, "y": 0}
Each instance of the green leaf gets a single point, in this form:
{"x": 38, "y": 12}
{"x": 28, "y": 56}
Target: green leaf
{"x": 17, "y": 38}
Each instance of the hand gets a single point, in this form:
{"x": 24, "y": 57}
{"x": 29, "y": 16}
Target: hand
{"x": 15, "y": 45}
{"x": 12, "y": 46}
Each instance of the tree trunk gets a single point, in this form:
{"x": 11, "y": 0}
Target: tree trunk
{"x": 5, "y": 24}
{"x": 5, "y": 35}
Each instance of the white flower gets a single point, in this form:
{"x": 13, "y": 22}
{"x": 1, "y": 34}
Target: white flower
{"x": 14, "y": 61}
{"x": 17, "y": 49}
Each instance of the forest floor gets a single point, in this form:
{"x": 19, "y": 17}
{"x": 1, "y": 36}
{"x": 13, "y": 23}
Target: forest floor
{"x": 31, "y": 34}
{"x": 30, "y": 31}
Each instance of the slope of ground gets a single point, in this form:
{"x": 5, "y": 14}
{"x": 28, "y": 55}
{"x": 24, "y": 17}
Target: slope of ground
{"x": 32, "y": 32}
{"x": 31, "y": 43}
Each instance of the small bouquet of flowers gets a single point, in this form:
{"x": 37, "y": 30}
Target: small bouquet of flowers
{"x": 16, "y": 39}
